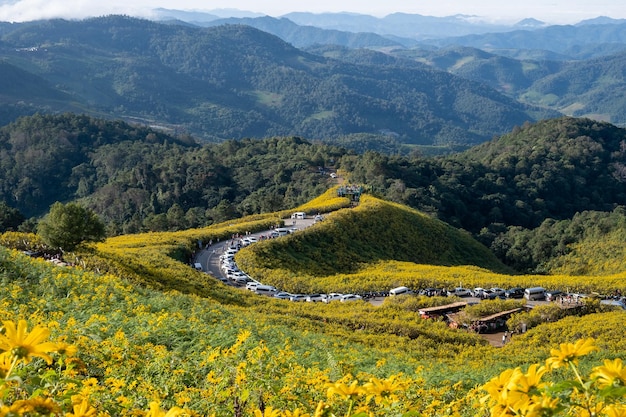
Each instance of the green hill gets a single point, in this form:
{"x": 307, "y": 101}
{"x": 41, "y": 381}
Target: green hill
{"x": 374, "y": 231}
{"x": 234, "y": 81}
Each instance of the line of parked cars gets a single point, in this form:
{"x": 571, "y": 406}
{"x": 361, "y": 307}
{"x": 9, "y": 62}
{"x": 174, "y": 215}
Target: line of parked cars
{"x": 232, "y": 272}
{"x": 235, "y": 275}
{"x": 531, "y": 294}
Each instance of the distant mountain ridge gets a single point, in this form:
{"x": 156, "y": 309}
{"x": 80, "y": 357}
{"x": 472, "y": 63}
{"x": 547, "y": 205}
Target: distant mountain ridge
{"x": 234, "y": 81}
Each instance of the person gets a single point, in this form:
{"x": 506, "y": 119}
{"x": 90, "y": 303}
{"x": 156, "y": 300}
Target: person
{"x": 504, "y": 337}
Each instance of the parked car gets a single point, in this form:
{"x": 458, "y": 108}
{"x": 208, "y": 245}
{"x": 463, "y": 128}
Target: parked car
{"x": 514, "y": 293}
{"x": 265, "y": 290}
{"x": 350, "y": 297}
{"x": 251, "y": 286}
{"x": 488, "y": 295}
{"x": 553, "y": 295}
{"x": 298, "y": 297}
{"x": 478, "y": 292}
{"x": 314, "y": 298}
{"x": 617, "y": 303}
{"x": 239, "y": 277}
{"x": 535, "y": 293}
{"x": 400, "y": 291}
{"x": 498, "y": 291}
{"x": 433, "y": 292}
{"x": 283, "y": 295}
{"x": 460, "y": 292}
{"x": 333, "y": 296}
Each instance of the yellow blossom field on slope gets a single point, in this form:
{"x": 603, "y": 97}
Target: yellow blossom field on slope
{"x": 133, "y": 330}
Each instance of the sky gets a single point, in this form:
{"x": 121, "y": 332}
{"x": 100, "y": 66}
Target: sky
{"x": 505, "y": 11}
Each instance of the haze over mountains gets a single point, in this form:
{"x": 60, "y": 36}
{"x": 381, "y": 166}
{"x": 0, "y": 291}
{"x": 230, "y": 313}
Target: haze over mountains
{"x": 401, "y": 78}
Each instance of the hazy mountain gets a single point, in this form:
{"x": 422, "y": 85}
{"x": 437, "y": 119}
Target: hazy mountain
{"x": 413, "y": 26}
{"x": 575, "y": 42}
{"x": 235, "y": 81}
{"x": 593, "y": 88}
{"x": 303, "y": 36}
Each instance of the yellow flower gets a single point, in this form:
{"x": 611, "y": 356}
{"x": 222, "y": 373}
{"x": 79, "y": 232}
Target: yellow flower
{"x": 383, "y": 389}
{"x": 346, "y": 391}
{"x": 269, "y": 412}
{"x": 321, "y": 410}
{"x": 615, "y": 410}
{"x": 82, "y": 410}
{"x": 42, "y": 406}
{"x": 569, "y": 352}
{"x": 495, "y": 387}
{"x": 612, "y": 373}
{"x": 23, "y": 345}
{"x": 522, "y": 389}
{"x": 295, "y": 413}
{"x": 543, "y": 406}
{"x": 18, "y": 408}
{"x": 66, "y": 349}
{"x": 529, "y": 382}
{"x": 155, "y": 411}
{"x": 5, "y": 364}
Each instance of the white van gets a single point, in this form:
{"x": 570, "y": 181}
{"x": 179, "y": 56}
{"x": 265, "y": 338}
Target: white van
{"x": 282, "y": 231}
{"x": 265, "y": 290}
{"x": 299, "y": 215}
{"x": 535, "y": 293}
{"x": 400, "y": 291}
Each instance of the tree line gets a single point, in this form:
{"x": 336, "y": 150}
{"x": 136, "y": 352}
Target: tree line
{"x": 511, "y": 193}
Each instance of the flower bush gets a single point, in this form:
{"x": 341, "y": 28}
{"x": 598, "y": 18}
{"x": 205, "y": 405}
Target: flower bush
{"x": 600, "y": 393}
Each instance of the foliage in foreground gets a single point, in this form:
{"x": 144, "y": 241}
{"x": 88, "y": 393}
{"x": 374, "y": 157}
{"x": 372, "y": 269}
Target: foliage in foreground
{"x": 43, "y": 378}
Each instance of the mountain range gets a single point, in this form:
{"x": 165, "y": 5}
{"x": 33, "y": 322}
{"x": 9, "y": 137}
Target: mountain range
{"x": 234, "y": 81}
{"x": 281, "y": 78}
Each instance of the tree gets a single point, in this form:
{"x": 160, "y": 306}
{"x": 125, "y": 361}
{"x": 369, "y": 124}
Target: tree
{"x": 68, "y": 225}
{"x": 10, "y": 218}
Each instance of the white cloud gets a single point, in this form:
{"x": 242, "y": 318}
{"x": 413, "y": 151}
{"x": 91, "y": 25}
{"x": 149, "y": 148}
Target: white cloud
{"x": 556, "y": 11}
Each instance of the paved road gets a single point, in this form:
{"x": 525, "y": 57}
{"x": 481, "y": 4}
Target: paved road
{"x": 209, "y": 258}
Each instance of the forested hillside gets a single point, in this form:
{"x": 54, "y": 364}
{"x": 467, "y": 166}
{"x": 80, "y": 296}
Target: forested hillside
{"x": 233, "y": 82}
{"x": 139, "y": 179}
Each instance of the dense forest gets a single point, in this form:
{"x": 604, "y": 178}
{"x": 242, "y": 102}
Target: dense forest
{"x": 234, "y": 82}
{"x": 527, "y": 194}
{"x": 140, "y": 179}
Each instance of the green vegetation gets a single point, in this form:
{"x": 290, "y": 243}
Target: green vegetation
{"x": 235, "y": 82}
{"x": 68, "y": 225}
{"x": 529, "y": 196}
{"x": 213, "y": 348}
{"x": 350, "y": 239}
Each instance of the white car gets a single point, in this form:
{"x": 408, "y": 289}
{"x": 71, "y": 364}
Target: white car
{"x": 251, "y": 286}
{"x": 283, "y": 295}
{"x": 460, "y": 292}
{"x": 314, "y": 298}
{"x": 478, "y": 292}
{"x": 239, "y": 277}
{"x": 333, "y": 296}
{"x": 297, "y": 297}
{"x": 350, "y": 297}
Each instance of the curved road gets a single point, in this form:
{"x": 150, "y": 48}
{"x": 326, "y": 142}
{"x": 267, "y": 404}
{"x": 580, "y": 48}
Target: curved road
{"x": 209, "y": 258}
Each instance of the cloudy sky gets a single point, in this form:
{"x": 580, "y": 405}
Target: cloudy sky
{"x": 550, "y": 11}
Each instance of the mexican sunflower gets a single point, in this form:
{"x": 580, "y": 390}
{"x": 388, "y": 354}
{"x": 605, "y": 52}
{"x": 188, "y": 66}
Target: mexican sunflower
{"x": 23, "y": 345}
{"x": 570, "y": 352}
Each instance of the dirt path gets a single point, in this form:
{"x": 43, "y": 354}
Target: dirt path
{"x": 494, "y": 339}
